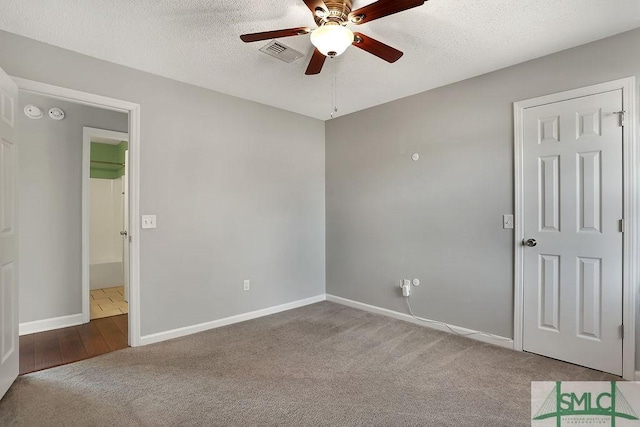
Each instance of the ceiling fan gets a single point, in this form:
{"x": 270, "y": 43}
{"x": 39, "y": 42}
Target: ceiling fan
{"x": 332, "y": 37}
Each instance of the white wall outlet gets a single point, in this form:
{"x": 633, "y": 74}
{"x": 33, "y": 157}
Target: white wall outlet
{"x": 247, "y": 285}
{"x": 415, "y": 282}
{"x": 148, "y": 221}
{"x": 507, "y": 221}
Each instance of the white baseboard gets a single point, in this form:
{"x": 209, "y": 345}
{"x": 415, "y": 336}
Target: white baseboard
{"x": 188, "y": 330}
{"x": 27, "y": 328}
{"x": 499, "y": 341}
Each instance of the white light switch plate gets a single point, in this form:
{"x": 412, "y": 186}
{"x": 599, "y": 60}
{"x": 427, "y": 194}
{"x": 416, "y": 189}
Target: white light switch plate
{"x": 148, "y": 221}
{"x": 507, "y": 221}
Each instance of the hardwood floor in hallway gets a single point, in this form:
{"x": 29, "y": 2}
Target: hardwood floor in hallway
{"x": 45, "y": 350}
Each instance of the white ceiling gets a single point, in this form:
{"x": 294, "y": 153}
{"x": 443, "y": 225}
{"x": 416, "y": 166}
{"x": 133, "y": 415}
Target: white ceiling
{"x": 197, "y": 41}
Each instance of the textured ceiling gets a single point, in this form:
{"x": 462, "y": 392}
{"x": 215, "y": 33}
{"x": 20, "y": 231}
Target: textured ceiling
{"x": 197, "y": 41}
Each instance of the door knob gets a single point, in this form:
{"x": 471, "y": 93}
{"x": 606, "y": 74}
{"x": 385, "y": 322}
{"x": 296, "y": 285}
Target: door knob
{"x": 123, "y": 233}
{"x": 531, "y": 242}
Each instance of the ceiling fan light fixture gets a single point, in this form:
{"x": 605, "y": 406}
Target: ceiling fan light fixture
{"x": 332, "y": 39}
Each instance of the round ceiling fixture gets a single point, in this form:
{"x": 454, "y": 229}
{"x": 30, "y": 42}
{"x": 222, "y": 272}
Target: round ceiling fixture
{"x": 331, "y": 39}
{"x": 56, "y": 113}
{"x": 33, "y": 112}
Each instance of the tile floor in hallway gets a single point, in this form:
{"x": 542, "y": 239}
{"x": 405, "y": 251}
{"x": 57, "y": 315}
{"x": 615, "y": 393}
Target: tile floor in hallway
{"x": 108, "y": 302}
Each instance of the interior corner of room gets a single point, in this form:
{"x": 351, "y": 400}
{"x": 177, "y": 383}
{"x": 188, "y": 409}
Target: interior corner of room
{"x": 255, "y": 219}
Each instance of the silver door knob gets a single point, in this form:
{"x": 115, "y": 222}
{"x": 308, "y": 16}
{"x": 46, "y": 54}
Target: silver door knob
{"x": 123, "y": 233}
{"x": 531, "y": 242}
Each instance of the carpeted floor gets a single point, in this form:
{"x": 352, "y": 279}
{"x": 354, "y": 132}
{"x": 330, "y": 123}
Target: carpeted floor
{"x": 324, "y": 364}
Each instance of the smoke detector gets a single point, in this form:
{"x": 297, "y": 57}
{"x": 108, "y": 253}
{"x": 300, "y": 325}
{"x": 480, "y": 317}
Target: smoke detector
{"x": 56, "y": 113}
{"x": 33, "y": 112}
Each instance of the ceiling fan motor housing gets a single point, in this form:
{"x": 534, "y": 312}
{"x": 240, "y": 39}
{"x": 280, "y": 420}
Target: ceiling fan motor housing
{"x": 338, "y": 12}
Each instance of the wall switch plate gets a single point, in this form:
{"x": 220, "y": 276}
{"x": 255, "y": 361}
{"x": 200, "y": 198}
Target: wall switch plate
{"x": 247, "y": 285}
{"x": 507, "y": 221}
{"x": 148, "y": 221}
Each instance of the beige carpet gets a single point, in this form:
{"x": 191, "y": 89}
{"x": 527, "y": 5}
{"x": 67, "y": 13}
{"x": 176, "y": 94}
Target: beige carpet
{"x": 323, "y": 364}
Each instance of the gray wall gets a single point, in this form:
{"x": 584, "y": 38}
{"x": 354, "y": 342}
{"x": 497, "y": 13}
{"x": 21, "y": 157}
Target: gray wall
{"x": 238, "y": 188}
{"x": 50, "y": 197}
{"x": 105, "y": 275}
{"x": 439, "y": 219}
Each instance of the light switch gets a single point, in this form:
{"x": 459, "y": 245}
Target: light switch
{"x": 148, "y": 221}
{"x": 507, "y": 221}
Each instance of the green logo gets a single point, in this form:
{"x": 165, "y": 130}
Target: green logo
{"x": 610, "y": 404}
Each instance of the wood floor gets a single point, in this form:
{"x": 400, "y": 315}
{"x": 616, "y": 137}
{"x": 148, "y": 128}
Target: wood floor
{"x": 61, "y": 346}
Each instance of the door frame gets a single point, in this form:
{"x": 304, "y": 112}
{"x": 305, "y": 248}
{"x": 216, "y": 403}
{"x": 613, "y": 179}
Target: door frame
{"x": 133, "y": 110}
{"x": 87, "y": 134}
{"x": 631, "y": 160}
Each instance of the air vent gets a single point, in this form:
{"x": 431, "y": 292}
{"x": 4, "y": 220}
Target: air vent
{"x": 281, "y": 51}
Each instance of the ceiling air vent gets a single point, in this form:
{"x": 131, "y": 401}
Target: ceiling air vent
{"x": 281, "y": 51}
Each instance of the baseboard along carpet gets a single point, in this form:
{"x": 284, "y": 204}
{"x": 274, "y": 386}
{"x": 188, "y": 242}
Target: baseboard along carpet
{"x": 320, "y": 365}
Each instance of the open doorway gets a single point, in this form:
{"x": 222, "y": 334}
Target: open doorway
{"x": 56, "y": 287}
{"x": 105, "y": 223}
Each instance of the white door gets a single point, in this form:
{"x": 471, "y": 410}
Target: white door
{"x": 573, "y": 210}
{"x": 125, "y": 252}
{"x": 8, "y": 235}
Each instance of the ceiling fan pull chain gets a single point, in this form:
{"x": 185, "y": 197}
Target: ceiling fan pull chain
{"x": 334, "y": 94}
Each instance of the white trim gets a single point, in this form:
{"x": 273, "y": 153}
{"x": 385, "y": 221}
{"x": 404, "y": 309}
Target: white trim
{"x": 636, "y": 376}
{"x": 75, "y": 96}
{"x": 499, "y": 341}
{"x": 134, "y": 179}
{"x": 27, "y": 328}
{"x": 188, "y": 330}
{"x": 631, "y": 161}
{"x": 105, "y": 133}
{"x": 87, "y": 134}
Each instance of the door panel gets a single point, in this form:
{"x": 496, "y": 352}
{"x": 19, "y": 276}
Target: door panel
{"x": 549, "y": 285}
{"x": 8, "y": 235}
{"x": 549, "y": 174}
{"x": 572, "y": 208}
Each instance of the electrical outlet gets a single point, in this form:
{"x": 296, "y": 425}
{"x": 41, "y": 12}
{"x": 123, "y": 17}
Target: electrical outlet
{"x": 247, "y": 285}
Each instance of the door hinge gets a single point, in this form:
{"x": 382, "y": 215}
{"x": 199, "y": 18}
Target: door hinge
{"x": 622, "y": 230}
{"x": 621, "y": 115}
{"x": 622, "y": 331}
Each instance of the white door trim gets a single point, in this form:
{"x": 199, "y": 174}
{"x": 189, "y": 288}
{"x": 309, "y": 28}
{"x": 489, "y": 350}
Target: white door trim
{"x": 87, "y": 134}
{"x": 134, "y": 179}
{"x": 631, "y": 161}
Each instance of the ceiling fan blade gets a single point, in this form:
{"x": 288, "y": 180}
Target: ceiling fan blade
{"x": 316, "y": 63}
{"x": 314, "y": 4}
{"x": 376, "y": 48}
{"x": 254, "y": 37}
{"x": 382, "y": 8}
